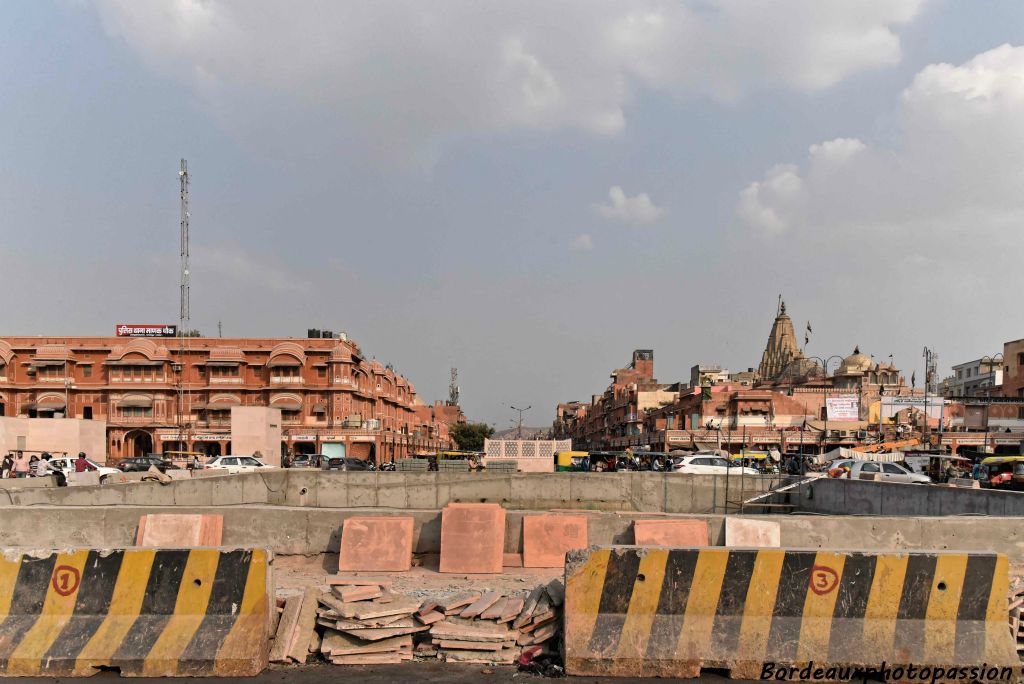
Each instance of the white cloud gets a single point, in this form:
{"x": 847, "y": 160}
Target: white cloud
{"x": 582, "y": 243}
{"x": 952, "y": 171}
{"x": 397, "y": 77}
{"x": 637, "y": 210}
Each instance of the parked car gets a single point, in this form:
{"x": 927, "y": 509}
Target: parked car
{"x": 236, "y": 464}
{"x": 343, "y": 463}
{"x": 306, "y": 460}
{"x": 890, "y": 472}
{"x": 141, "y": 464}
{"x": 708, "y": 464}
{"x": 66, "y": 465}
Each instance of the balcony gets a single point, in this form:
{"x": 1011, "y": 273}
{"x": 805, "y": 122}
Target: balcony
{"x": 225, "y": 380}
{"x": 286, "y": 380}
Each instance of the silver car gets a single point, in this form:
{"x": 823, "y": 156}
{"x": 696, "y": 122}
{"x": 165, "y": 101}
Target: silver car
{"x": 889, "y": 472}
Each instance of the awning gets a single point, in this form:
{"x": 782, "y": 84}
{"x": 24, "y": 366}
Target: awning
{"x": 228, "y": 364}
{"x": 286, "y": 405}
{"x": 50, "y": 405}
{"x": 140, "y": 402}
{"x": 320, "y": 408}
{"x": 223, "y": 404}
{"x": 283, "y": 360}
{"x": 46, "y": 362}
{"x": 133, "y": 363}
{"x": 706, "y": 446}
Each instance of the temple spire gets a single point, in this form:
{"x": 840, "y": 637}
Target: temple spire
{"x": 782, "y": 347}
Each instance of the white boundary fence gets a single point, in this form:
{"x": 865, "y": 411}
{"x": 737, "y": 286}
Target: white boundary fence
{"x": 531, "y": 455}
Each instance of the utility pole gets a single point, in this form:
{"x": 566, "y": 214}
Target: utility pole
{"x": 519, "y": 431}
{"x": 930, "y": 362}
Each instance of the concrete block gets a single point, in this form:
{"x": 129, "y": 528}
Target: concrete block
{"x": 745, "y": 532}
{"x": 256, "y": 487}
{"x": 321, "y": 532}
{"x": 533, "y": 492}
{"x": 177, "y": 530}
{"x": 27, "y": 483}
{"x": 332, "y": 489}
{"x": 286, "y": 529}
{"x": 672, "y": 532}
{"x": 192, "y": 492}
{"x": 679, "y": 494}
{"x": 150, "y": 494}
{"x": 376, "y": 544}
{"x": 362, "y": 491}
{"x": 477, "y": 487}
{"x": 85, "y": 479}
{"x": 547, "y": 538}
{"x": 967, "y": 501}
{"x": 420, "y": 489}
{"x": 301, "y": 487}
{"x": 600, "y": 491}
{"x": 647, "y": 491}
{"x": 472, "y": 538}
{"x": 226, "y": 491}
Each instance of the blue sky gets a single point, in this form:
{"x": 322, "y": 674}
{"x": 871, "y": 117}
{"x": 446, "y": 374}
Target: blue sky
{"x": 429, "y": 177}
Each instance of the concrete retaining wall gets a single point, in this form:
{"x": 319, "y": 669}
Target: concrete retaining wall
{"x": 294, "y": 530}
{"x": 643, "y": 491}
{"x": 859, "y": 497}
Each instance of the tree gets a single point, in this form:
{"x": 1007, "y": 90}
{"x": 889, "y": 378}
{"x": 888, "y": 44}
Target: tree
{"x": 471, "y": 436}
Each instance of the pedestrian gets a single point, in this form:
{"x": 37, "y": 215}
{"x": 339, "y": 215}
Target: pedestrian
{"x": 33, "y": 459}
{"x": 81, "y": 465}
{"x": 950, "y": 471}
{"x": 7, "y": 467}
{"x": 42, "y": 466}
{"x": 21, "y": 466}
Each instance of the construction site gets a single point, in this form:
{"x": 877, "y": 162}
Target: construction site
{"x": 587, "y": 574}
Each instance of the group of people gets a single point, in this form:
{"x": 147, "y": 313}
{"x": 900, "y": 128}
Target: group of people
{"x": 17, "y": 464}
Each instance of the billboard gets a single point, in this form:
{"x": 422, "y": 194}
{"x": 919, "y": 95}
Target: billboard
{"x": 843, "y": 409}
{"x": 123, "y": 330}
{"x": 893, "y": 405}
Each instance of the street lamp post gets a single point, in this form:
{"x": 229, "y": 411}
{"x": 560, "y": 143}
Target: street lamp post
{"x": 991, "y": 362}
{"x": 824, "y": 392}
{"x": 519, "y": 431}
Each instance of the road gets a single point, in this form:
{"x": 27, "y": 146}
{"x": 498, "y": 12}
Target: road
{"x": 420, "y": 672}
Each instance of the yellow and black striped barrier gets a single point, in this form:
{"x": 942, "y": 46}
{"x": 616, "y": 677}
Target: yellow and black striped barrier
{"x": 633, "y": 611}
{"x": 145, "y": 612}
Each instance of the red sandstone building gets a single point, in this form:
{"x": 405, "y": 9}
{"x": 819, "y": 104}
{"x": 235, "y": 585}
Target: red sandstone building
{"x": 175, "y": 394}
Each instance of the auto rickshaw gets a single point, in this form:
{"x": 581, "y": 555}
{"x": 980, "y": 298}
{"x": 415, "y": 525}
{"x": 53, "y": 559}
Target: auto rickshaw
{"x": 572, "y": 461}
{"x": 1002, "y": 472}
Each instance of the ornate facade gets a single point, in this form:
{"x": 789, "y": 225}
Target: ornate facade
{"x": 175, "y": 394}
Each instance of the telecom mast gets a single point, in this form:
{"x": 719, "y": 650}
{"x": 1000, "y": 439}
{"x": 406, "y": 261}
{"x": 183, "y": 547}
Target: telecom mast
{"x": 453, "y": 388}
{"x": 184, "y": 318}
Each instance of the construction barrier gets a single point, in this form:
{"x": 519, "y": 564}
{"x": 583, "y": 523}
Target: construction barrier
{"x": 634, "y": 611}
{"x": 145, "y": 612}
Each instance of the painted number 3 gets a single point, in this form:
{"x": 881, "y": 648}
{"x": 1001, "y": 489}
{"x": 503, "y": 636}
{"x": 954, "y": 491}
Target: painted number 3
{"x": 65, "y": 579}
{"x": 823, "y": 579}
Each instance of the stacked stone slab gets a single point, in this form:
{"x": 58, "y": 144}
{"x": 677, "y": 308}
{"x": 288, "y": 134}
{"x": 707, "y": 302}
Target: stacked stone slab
{"x": 361, "y": 622}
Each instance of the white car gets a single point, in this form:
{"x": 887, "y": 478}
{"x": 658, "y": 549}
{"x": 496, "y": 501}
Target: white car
{"x": 890, "y": 472}
{"x": 235, "y": 464}
{"x": 708, "y": 464}
{"x": 66, "y": 464}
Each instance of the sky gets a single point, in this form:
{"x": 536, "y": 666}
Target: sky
{"x": 527, "y": 191}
